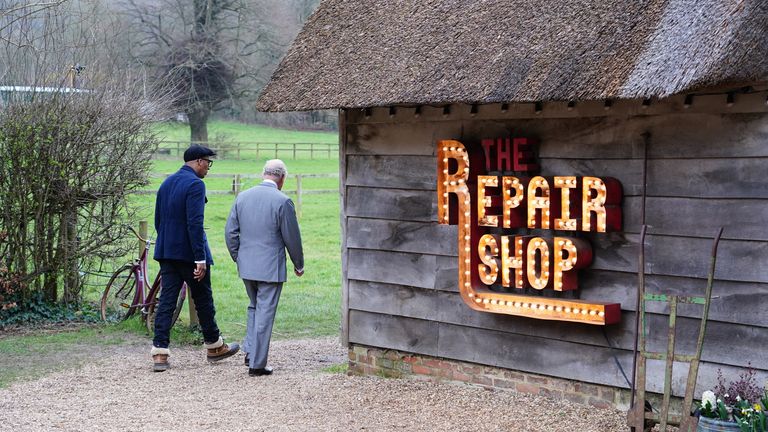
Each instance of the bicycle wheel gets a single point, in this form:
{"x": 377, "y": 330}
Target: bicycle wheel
{"x": 153, "y": 300}
{"x": 119, "y": 299}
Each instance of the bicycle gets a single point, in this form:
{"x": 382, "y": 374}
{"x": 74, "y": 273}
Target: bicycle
{"x": 124, "y": 294}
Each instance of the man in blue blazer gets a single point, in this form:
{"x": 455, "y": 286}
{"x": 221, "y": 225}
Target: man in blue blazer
{"x": 183, "y": 253}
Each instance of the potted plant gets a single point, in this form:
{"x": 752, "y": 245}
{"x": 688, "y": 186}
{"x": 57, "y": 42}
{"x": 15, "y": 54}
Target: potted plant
{"x": 738, "y": 406}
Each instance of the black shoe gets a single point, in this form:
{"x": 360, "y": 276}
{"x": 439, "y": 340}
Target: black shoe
{"x": 247, "y": 360}
{"x": 259, "y": 372}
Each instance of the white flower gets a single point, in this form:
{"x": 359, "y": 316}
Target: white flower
{"x": 738, "y": 398}
{"x": 708, "y": 396}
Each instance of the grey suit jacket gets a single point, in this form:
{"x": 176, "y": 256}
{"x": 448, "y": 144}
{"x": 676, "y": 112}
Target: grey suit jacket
{"x": 260, "y": 227}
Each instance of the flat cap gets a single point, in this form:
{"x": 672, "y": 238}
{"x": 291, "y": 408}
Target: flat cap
{"x": 196, "y": 151}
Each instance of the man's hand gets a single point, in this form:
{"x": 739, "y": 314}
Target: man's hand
{"x": 299, "y": 272}
{"x": 199, "y": 272}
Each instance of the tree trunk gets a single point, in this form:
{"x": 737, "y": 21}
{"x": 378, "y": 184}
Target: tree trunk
{"x": 71, "y": 270}
{"x": 50, "y": 282}
{"x": 198, "y": 125}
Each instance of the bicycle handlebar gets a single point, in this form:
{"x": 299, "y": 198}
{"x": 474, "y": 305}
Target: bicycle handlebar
{"x": 136, "y": 233}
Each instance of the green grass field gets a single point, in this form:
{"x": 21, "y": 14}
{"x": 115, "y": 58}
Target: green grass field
{"x": 241, "y": 141}
{"x": 231, "y": 131}
{"x": 310, "y": 305}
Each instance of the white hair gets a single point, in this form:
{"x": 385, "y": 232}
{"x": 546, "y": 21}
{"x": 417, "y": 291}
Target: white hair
{"x": 275, "y": 168}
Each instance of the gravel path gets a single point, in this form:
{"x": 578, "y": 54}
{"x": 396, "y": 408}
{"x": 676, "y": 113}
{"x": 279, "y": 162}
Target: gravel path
{"x": 119, "y": 392}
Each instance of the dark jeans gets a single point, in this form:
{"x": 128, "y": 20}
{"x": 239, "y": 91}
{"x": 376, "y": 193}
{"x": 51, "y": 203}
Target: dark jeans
{"x": 174, "y": 273}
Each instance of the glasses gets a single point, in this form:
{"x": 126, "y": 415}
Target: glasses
{"x": 210, "y": 162}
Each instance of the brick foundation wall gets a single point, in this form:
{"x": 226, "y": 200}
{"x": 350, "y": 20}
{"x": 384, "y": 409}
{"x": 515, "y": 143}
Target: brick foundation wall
{"x": 365, "y": 360}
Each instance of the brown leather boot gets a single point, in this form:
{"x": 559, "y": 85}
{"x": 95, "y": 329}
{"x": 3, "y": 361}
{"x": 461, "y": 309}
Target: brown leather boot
{"x": 219, "y": 350}
{"x": 160, "y": 359}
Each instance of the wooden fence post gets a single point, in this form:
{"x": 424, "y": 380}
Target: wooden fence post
{"x": 294, "y": 151}
{"x": 298, "y": 196}
{"x": 275, "y": 150}
{"x": 257, "y": 150}
{"x": 311, "y": 151}
{"x": 329, "y": 150}
{"x": 236, "y": 184}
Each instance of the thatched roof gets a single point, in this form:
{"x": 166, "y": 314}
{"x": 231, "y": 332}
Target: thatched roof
{"x": 409, "y": 52}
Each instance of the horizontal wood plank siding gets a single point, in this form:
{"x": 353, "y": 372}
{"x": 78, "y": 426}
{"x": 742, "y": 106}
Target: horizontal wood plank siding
{"x": 562, "y": 359}
{"x": 400, "y": 333}
{"x": 410, "y": 205}
{"x": 731, "y": 304}
{"x": 534, "y": 354}
{"x": 399, "y": 172}
{"x": 665, "y": 255}
{"x": 448, "y": 307}
{"x": 392, "y": 235}
{"x": 742, "y": 216}
{"x": 743, "y": 219}
{"x": 709, "y": 178}
{"x": 703, "y": 171}
{"x": 735, "y": 302}
{"x": 425, "y": 271}
{"x": 735, "y": 178}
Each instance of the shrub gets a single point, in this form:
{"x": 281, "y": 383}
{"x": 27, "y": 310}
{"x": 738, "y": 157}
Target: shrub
{"x": 741, "y": 401}
{"x": 73, "y": 159}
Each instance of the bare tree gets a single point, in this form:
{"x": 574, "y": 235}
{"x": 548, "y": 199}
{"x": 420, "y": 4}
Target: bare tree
{"x": 76, "y": 130}
{"x": 14, "y": 11}
{"x": 208, "y": 51}
{"x": 53, "y": 43}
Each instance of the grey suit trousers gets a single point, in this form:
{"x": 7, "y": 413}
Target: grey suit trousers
{"x": 261, "y": 315}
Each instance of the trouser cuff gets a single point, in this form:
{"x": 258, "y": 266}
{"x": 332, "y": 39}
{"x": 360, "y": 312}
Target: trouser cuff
{"x": 156, "y": 350}
{"x": 214, "y": 345}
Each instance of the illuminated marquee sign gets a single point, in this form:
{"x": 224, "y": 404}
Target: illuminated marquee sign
{"x": 497, "y": 265}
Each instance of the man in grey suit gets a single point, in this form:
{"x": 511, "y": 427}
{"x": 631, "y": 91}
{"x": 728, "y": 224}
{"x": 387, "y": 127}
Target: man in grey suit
{"x": 260, "y": 227}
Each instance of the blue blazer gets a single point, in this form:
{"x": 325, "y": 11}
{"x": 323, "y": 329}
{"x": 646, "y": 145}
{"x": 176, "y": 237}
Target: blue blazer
{"x": 179, "y": 215}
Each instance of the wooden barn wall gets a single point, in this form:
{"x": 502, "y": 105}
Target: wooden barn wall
{"x": 706, "y": 168}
